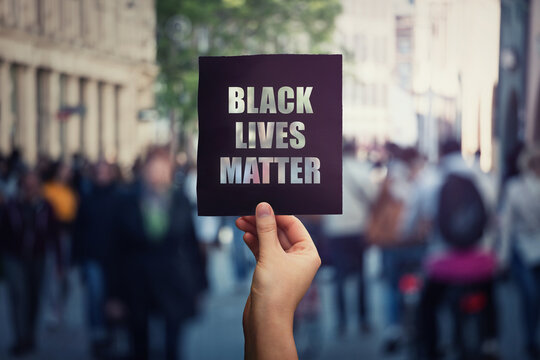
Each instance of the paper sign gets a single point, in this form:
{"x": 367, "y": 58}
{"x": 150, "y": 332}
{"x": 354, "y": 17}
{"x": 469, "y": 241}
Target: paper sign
{"x": 269, "y": 130}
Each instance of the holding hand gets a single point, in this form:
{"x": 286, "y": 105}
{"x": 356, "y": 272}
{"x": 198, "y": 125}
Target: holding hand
{"x": 287, "y": 261}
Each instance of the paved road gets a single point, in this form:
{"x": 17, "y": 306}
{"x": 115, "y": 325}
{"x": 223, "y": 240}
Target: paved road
{"x": 217, "y": 333}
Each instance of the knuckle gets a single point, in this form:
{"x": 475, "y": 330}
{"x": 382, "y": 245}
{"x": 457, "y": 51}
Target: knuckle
{"x": 266, "y": 227}
{"x": 317, "y": 260}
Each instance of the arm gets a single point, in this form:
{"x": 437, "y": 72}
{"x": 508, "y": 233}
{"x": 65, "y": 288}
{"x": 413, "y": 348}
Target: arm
{"x": 287, "y": 262}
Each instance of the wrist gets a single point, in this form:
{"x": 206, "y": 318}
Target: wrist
{"x": 267, "y": 309}
{"x": 271, "y": 317}
{"x": 268, "y": 330}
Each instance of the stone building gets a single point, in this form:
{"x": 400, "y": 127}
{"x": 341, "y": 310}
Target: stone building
{"x": 92, "y": 61}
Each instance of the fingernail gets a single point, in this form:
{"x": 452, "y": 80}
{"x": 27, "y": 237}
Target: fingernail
{"x": 263, "y": 209}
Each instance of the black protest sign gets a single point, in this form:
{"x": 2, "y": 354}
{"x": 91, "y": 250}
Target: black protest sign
{"x": 269, "y": 130}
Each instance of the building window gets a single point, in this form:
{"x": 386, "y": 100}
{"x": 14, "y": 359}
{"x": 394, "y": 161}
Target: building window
{"x": 360, "y": 47}
{"x": 404, "y": 45}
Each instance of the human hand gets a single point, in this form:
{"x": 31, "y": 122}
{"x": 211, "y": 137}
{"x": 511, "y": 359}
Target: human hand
{"x": 287, "y": 261}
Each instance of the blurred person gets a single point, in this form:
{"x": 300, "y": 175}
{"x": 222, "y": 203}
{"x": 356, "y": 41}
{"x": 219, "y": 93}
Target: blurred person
{"x": 182, "y": 166}
{"x": 206, "y": 227}
{"x": 400, "y": 238}
{"x": 81, "y": 178}
{"x": 487, "y": 180}
{"x": 157, "y": 252}
{"x": 43, "y": 164}
{"x": 287, "y": 261}
{"x": 460, "y": 249}
{"x": 7, "y": 188}
{"x": 8, "y": 179}
{"x": 3, "y": 172}
{"x": 58, "y": 191}
{"x": 511, "y": 162}
{"x": 242, "y": 265}
{"x": 307, "y": 317}
{"x": 520, "y": 227}
{"x": 27, "y": 228}
{"x": 94, "y": 248}
{"x": 345, "y": 234}
{"x": 118, "y": 176}
{"x": 15, "y": 161}
{"x": 136, "y": 169}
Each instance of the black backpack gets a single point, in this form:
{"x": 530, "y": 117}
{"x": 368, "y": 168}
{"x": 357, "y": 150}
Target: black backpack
{"x": 462, "y": 215}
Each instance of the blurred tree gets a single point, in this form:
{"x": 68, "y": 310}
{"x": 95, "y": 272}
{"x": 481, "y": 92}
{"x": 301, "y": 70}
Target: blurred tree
{"x": 189, "y": 28}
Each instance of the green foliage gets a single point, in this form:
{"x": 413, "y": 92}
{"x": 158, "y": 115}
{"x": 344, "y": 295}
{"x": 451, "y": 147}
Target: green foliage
{"x": 189, "y": 28}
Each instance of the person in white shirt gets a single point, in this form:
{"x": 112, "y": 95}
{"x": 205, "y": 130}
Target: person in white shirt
{"x": 345, "y": 232}
{"x": 520, "y": 230}
{"x": 405, "y": 256}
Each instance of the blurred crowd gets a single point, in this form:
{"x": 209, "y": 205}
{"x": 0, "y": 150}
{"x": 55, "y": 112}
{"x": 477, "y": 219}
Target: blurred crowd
{"x": 447, "y": 233}
{"x": 133, "y": 241}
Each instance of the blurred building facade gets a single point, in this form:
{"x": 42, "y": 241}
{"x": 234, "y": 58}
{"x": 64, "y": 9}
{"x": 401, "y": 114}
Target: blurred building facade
{"x": 418, "y": 71}
{"x": 455, "y": 73}
{"x": 365, "y": 31}
{"x": 74, "y": 75}
{"x": 405, "y": 126}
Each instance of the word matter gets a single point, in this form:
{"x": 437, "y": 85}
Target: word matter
{"x": 235, "y": 171}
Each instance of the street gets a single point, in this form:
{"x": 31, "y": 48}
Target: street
{"x": 217, "y": 332}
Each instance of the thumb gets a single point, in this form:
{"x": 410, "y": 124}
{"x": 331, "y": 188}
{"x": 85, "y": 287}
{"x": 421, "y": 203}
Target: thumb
{"x": 266, "y": 227}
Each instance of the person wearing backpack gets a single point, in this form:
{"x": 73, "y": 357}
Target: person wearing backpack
{"x": 400, "y": 242}
{"x": 460, "y": 252}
